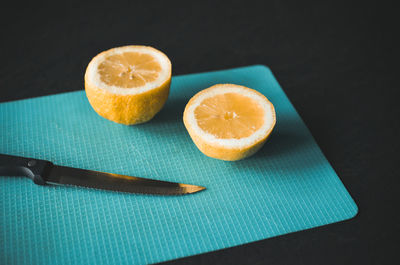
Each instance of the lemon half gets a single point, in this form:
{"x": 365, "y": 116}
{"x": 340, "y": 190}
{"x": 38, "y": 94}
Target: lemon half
{"x": 229, "y": 122}
{"x": 129, "y": 84}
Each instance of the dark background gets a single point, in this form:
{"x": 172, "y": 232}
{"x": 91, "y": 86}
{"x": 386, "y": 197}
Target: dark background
{"x": 335, "y": 60}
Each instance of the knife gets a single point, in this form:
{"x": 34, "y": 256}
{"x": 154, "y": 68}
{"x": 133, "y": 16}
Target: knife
{"x": 45, "y": 172}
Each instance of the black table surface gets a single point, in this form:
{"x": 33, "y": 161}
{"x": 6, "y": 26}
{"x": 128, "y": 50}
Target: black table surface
{"x": 335, "y": 60}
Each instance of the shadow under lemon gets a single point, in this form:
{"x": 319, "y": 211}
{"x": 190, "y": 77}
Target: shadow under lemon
{"x": 287, "y": 149}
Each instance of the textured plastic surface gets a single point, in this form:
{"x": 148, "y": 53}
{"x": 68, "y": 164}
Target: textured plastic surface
{"x": 287, "y": 186}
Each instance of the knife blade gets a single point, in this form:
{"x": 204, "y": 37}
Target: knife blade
{"x": 45, "y": 172}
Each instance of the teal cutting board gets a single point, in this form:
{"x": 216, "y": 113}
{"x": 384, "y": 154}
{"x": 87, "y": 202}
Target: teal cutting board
{"x": 287, "y": 186}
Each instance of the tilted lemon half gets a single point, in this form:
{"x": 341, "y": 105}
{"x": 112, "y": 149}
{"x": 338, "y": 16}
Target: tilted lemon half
{"x": 129, "y": 84}
{"x": 229, "y": 122}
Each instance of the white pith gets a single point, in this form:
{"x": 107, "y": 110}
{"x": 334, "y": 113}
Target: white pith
{"x": 93, "y": 77}
{"x": 269, "y": 117}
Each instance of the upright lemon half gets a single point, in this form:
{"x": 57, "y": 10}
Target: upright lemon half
{"x": 129, "y": 84}
{"x": 229, "y": 122}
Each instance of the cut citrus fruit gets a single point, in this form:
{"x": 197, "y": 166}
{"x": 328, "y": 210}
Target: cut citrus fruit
{"x": 129, "y": 84}
{"x": 229, "y": 122}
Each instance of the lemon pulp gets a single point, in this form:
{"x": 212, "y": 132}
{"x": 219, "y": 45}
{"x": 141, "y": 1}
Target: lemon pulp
{"x": 229, "y": 115}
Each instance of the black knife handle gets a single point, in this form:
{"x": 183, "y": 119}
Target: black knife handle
{"x": 34, "y": 169}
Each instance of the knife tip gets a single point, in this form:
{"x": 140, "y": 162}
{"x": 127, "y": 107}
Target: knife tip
{"x": 191, "y": 188}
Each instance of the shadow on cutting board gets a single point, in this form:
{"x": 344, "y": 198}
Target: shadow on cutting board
{"x": 285, "y": 143}
{"x": 172, "y": 111}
